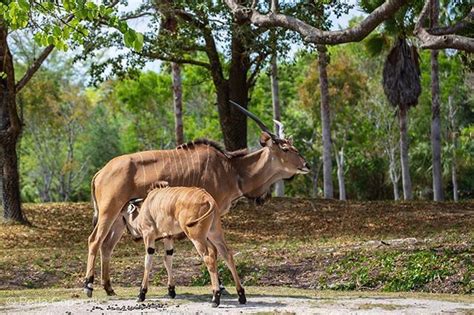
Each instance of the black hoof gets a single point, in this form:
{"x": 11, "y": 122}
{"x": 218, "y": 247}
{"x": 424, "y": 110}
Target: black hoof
{"x": 216, "y": 298}
{"x": 171, "y": 291}
{"x": 88, "y": 286}
{"x": 242, "y": 298}
{"x": 141, "y": 295}
{"x": 110, "y": 292}
{"x": 88, "y": 292}
{"x": 108, "y": 288}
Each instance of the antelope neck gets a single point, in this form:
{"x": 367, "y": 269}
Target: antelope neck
{"x": 254, "y": 170}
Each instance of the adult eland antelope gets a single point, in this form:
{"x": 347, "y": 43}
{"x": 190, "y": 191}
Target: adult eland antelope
{"x": 172, "y": 210}
{"x": 226, "y": 176}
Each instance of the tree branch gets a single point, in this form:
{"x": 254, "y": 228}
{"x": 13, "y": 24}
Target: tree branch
{"x": 33, "y": 68}
{"x": 135, "y": 16}
{"x": 189, "y": 17}
{"x": 313, "y": 34}
{"x": 431, "y": 41}
{"x": 274, "y": 6}
{"x": 258, "y": 61}
{"x": 210, "y": 47}
{"x": 452, "y": 29}
{"x": 174, "y": 59}
{"x": 38, "y": 61}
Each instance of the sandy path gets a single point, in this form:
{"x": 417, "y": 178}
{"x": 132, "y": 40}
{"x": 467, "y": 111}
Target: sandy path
{"x": 256, "y": 304}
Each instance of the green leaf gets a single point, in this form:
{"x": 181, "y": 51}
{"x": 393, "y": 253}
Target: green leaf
{"x": 122, "y": 26}
{"x": 57, "y": 31}
{"x": 24, "y": 4}
{"x": 91, "y": 5}
{"x": 74, "y": 22}
{"x": 129, "y": 38}
{"x": 138, "y": 43}
{"x": 50, "y": 40}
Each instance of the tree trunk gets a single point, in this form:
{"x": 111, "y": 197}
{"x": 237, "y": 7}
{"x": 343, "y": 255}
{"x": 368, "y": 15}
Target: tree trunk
{"x": 454, "y": 180}
{"x": 233, "y": 122}
{"x": 452, "y": 121}
{"x": 279, "y": 185}
{"x": 10, "y": 129}
{"x": 435, "y": 114}
{"x": 406, "y": 180}
{"x": 315, "y": 177}
{"x": 326, "y": 122}
{"x": 340, "y": 174}
{"x": 11, "y": 183}
{"x": 177, "y": 102}
{"x": 393, "y": 174}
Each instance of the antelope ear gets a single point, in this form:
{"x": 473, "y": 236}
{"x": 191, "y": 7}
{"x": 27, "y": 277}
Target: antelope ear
{"x": 266, "y": 140}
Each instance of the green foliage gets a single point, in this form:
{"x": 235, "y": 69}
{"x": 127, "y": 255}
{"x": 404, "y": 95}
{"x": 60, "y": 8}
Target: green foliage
{"x": 376, "y": 43}
{"x": 56, "y": 113}
{"x": 64, "y": 23}
{"x": 136, "y": 113}
{"x": 395, "y": 271}
{"x": 421, "y": 268}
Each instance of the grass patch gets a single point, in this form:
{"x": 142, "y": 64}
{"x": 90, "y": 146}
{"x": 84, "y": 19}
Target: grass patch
{"x": 395, "y": 271}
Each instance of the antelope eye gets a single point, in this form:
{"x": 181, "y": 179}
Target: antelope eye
{"x": 285, "y": 149}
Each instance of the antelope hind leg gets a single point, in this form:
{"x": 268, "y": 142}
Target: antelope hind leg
{"x": 95, "y": 241}
{"x": 217, "y": 238}
{"x": 208, "y": 253}
{"x": 168, "y": 262}
{"x": 113, "y": 237}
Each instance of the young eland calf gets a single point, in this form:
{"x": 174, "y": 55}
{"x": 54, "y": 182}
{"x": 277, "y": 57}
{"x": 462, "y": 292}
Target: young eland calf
{"x": 168, "y": 211}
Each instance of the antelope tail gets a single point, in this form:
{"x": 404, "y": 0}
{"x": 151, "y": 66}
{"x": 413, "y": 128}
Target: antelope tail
{"x": 212, "y": 208}
{"x": 95, "y": 217}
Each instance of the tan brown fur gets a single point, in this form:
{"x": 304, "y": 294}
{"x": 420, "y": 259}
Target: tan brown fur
{"x": 225, "y": 176}
{"x": 170, "y": 211}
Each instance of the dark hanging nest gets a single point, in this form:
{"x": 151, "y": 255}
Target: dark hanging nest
{"x": 401, "y": 75}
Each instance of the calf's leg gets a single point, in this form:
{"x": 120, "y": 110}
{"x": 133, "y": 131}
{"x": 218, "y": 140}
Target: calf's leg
{"x": 168, "y": 262}
{"x": 208, "y": 253}
{"x": 216, "y": 236}
{"x": 150, "y": 251}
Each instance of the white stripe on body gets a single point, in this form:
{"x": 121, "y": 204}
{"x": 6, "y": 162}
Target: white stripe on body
{"x": 197, "y": 170}
{"x": 189, "y": 171}
{"x": 182, "y": 167}
{"x": 143, "y": 168}
{"x": 208, "y": 157}
{"x": 191, "y": 177}
{"x": 175, "y": 163}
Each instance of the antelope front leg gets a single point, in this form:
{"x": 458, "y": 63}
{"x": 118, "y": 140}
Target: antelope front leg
{"x": 150, "y": 251}
{"x": 168, "y": 261}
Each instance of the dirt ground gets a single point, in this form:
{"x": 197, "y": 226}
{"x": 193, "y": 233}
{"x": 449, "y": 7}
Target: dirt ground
{"x": 268, "y": 301}
{"x": 299, "y": 243}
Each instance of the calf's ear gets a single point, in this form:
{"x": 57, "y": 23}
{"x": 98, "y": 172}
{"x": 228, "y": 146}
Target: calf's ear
{"x": 265, "y": 140}
{"x": 162, "y": 184}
